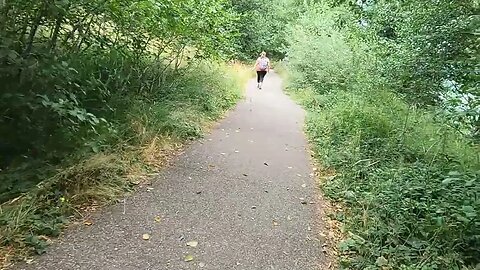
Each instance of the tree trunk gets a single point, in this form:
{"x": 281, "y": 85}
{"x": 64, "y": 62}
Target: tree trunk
{"x": 33, "y": 31}
{"x": 56, "y": 31}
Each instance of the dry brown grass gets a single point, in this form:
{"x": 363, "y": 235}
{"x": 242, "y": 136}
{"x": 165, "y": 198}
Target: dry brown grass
{"x": 83, "y": 188}
{"x": 331, "y": 232}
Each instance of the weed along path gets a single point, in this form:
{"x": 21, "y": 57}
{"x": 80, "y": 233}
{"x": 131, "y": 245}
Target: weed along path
{"x": 241, "y": 198}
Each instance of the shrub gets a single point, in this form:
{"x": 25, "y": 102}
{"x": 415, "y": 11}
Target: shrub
{"x": 409, "y": 180}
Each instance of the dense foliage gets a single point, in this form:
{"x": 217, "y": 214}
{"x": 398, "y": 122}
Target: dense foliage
{"x": 89, "y": 88}
{"x": 392, "y": 91}
{"x": 74, "y": 71}
{"x": 262, "y": 27}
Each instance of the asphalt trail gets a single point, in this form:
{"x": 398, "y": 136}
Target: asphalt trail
{"x": 245, "y": 193}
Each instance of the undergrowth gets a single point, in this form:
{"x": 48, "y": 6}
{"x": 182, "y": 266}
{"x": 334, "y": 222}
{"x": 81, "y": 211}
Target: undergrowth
{"x": 408, "y": 183}
{"x": 153, "y": 131}
{"x": 406, "y": 179}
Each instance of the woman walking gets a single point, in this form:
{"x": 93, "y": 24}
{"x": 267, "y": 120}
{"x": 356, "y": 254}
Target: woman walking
{"x": 262, "y": 66}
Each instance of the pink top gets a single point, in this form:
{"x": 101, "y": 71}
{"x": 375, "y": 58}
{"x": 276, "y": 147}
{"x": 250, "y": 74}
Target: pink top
{"x": 257, "y": 64}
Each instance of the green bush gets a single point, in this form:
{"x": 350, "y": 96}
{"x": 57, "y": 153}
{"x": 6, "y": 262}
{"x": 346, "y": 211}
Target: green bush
{"x": 99, "y": 171}
{"x": 410, "y": 184}
{"x": 319, "y": 57}
{"x": 407, "y": 179}
{"x": 72, "y": 73}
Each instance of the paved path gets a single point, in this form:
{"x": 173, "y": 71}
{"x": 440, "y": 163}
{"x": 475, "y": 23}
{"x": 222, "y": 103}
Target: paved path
{"x": 237, "y": 193}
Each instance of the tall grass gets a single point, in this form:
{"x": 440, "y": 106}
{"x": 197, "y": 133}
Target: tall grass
{"x": 152, "y": 132}
{"x": 408, "y": 181}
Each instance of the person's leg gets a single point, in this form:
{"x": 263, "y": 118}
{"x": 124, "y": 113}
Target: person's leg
{"x": 262, "y": 76}
{"x": 259, "y": 78}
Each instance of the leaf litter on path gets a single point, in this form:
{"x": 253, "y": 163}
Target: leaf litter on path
{"x": 88, "y": 223}
{"x": 192, "y": 244}
{"x": 146, "y": 236}
{"x": 188, "y": 258}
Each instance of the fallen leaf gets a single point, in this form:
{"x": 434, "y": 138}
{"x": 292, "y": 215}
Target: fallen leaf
{"x": 146, "y": 236}
{"x": 275, "y": 223}
{"x": 299, "y": 175}
{"x": 254, "y": 207}
{"x": 236, "y": 151}
{"x": 290, "y": 167}
{"x": 289, "y": 218}
{"x": 88, "y": 223}
{"x": 188, "y": 258}
{"x": 223, "y": 154}
{"x": 192, "y": 243}
{"x": 135, "y": 182}
{"x": 304, "y": 185}
{"x": 201, "y": 264}
{"x": 158, "y": 219}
